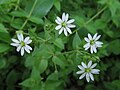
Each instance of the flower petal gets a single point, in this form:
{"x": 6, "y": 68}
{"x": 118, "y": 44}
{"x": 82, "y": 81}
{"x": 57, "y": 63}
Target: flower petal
{"x": 67, "y": 16}
{"x": 87, "y": 40}
{"x": 94, "y": 37}
{"x": 15, "y": 44}
{"x": 80, "y": 67}
{"x": 68, "y": 29}
{"x": 26, "y": 39}
{"x": 84, "y": 65}
{"x": 95, "y": 71}
{"x": 65, "y": 32}
{"x": 79, "y": 72}
{"x": 82, "y": 76}
{"x": 20, "y": 37}
{"x": 87, "y": 45}
{"x": 97, "y": 37}
{"x": 15, "y": 40}
{"x": 63, "y": 17}
{"x": 71, "y": 26}
{"x": 98, "y": 42}
{"x": 87, "y": 77}
{"x": 58, "y": 27}
{"x": 29, "y": 41}
{"x": 59, "y": 19}
{"x": 94, "y": 49}
{"x": 91, "y": 49}
{"x": 89, "y": 64}
{"x": 18, "y": 48}
{"x": 89, "y": 36}
{"x": 61, "y": 30}
{"x": 70, "y": 21}
{"x": 91, "y": 76}
{"x": 22, "y": 51}
{"x": 28, "y": 47}
{"x": 27, "y": 50}
{"x": 94, "y": 65}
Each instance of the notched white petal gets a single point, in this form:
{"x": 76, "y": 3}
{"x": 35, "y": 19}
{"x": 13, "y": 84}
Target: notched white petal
{"x": 82, "y": 76}
{"x": 87, "y": 40}
{"x": 58, "y": 27}
{"x": 89, "y": 36}
{"x": 87, "y": 77}
{"x": 59, "y": 19}
{"x": 18, "y": 48}
{"x": 94, "y": 37}
{"x": 89, "y": 64}
{"x": 79, "y": 72}
{"x": 97, "y": 37}
{"x": 94, "y": 65}
{"x": 68, "y": 30}
{"x": 15, "y": 40}
{"x": 70, "y": 21}
{"x": 84, "y": 65}
{"x": 91, "y": 76}
{"x": 61, "y": 30}
{"x": 14, "y": 44}
{"x": 65, "y": 32}
{"x": 63, "y": 17}
{"x": 95, "y": 71}
{"x": 22, "y": 51}
{"x": 71, "y": 26}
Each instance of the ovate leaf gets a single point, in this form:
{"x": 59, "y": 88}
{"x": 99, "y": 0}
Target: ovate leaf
{"x": 4, "y": 47}
{"x": 4, "y": 35}
{"x": 76, "y": 41}
{"x": 59, "y": 43}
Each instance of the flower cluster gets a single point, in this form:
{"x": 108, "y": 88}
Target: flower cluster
{"x": 65, "y": 25}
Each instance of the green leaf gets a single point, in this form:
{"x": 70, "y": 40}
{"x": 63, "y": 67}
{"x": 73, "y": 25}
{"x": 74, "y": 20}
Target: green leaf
{"x": 114, "y": 46}
{"x": 76, "y": 41}
{"x": 2, "y": 63}
{"x": 43, "y": 65}
{"x": 59, "y": 43}
{"x": 7, "y": 1}
{"x": 41, "y": 8}
{"x": 28, "y": 82}
{"x": 20, "y": 13}
{"x": 58, "y": 61}
{"x": 17, "y": 23}
{"x": 113, "y": 6}
{"x": 36, "y": 20}
{"x": 4, "y": 35}
{"x": 4, "y": 47}
{"x": 57, "y": 5}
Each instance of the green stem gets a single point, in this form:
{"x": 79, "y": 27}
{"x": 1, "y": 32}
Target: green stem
{"x": 29, "y": 15}
{"x": 96, "y": 15}
{"x": 92, "y": 18}
{"x": 18, "y": 1}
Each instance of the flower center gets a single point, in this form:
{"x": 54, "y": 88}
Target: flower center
{"x": 64, "y": 24}
{"x": 92, "y": 42}
{"x": 22, "y": 43}
{"x": 87, "y": 70}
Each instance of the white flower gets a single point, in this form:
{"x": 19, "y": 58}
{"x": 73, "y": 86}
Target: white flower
{"x": 64, "y": 24}
{"x": 22, "y": 44}
{"x": 92, "y": 43}
{"x": 87, "y": 71}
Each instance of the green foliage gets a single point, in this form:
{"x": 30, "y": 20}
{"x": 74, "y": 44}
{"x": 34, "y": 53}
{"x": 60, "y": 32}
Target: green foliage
{"x": 52, "y": 64}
